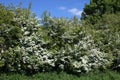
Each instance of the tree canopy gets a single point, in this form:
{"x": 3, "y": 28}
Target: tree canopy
{"x": 94, "y": 11}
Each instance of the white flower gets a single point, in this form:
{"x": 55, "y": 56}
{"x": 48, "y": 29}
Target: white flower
{"x": 26, "y": 33}
{"x": 61, "y": 66}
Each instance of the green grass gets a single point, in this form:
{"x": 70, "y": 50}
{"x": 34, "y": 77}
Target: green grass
{"x": 107, "y": 75}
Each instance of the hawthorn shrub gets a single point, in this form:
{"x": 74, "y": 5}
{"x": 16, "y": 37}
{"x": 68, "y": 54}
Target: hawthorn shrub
{"x": 53, "y": 44}
{"x": 10, "y": 33}
{"x": 106, "y": 35}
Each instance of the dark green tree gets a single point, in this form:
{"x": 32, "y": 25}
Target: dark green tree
{"x": 93, "y": 12}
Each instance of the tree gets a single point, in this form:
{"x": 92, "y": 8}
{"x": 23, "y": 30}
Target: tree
{"x": 94, "y": 11}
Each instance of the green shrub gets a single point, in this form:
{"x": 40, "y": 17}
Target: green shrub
{"x": 56, "y": 44}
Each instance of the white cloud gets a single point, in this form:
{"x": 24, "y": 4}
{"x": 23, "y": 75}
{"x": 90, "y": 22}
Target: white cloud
{"x": 75, "y": 11}
{"x": 62, "y": 8}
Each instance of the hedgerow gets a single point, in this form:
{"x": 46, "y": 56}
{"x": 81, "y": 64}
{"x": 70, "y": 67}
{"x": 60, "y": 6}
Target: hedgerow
{"x": 32, "y": 45}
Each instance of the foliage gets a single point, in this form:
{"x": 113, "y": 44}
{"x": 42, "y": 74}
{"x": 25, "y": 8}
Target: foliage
{"x": 101, "y": 19}
{"x": 12, "y": 59}
{"x": 106, "y": 35}
{"x": 32, "y": 45}
{"x": 9, "y": 31}
{"x": 93, "y": 12}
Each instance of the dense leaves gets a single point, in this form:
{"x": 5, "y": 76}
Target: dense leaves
{"x": 93, "y": 12}
{"x": 28, "y": 44}
{"x": 102, "y": 18}
{"x": 10, "y": 32}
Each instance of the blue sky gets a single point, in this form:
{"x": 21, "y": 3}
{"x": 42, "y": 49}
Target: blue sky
{"x": 57, "y": 8}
